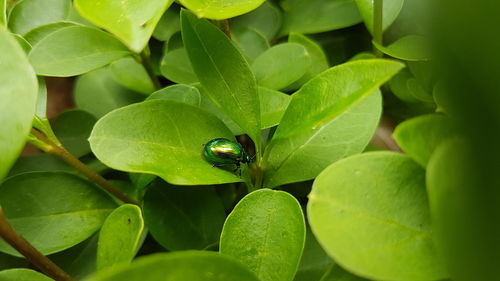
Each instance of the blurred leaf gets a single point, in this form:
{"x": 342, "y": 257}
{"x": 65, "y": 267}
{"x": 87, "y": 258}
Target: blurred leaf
{"x": 410, "y": 48}
{"x": 18, "y": 93}
{"x": 314, "y": 16}
{"x": 176, "y": 67}
{"x": 274, "y": 69}
{"x": 123, "y": 141}
{"x": 314, "y": 262}
{"x": 182, "y": 218}
{"x": 132, "y": 21}
{"x": 75, "y": 50}
{"x": 78, "y": 261}
{"x": 221, "y": 9}
{"x": 8, "y": 262}
{"x": 132, "y": 75}
{"x": 38, "y": 33}
{"x": 266, "y": 232}
{"x": 370, "y": 213}
{"x": 22, "y": 274}
{"x": 169, "y": 24}
{"x": 337, "y": 273}
{"x": 266, "y": 19}
{"x": 391, "y": 9}
{"x": 399, "y": 86}
{"x": 73, "y": 128}
{"x": 179, "y": 92}
{"x": 41, "y": 204}
{"x": 29, "y": 14}
{"x": 250, "y": 41}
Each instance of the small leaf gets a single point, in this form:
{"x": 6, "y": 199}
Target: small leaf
{"x": 169, "y": 24}
{"x": 38, "y": 33}
{"x": 266, "y": 19}
{"x": 123, "y": 140}
{"x": 337, "y": 273}
{"x": 97, "y": 93}
{"x": 29, "y": 14}
{"x": 22, "y": 274}
{"x": 75, "y": 50}
{"x": 183, "y": 218}
{"x": 18, "y": 95}
{"x": 73, "y": 128}
{"x": 40, "y": 204}
{"x": 281, "y": 65}
{"x": 314, "y": 262}
{"x": 39, "y": 163}
{"x": 266, "y": 232}
{"x": 391, "y": 9}
{"x": 176, "y": 67}
{"x": 410, "y": 48}
{"x": 132, "y": 75}
{"x": 223, "y": 73}
{"x": 250, "y": 41}
{"x": 78, "y": 261}
{"x": 221, "y": 9}
{"x": 179, "y": 92}
{"x": 370, "y": 213}
{"x": 133, "y": 21}
{"x": 179, "y": 266}
{"x": 314, "y": 16}
{"x": 272, "y": 106}
{"x": 119, "y": 237}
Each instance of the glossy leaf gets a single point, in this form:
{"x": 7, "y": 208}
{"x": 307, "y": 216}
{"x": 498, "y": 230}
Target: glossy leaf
{"x": 281, "y": 65}
{"x": 337, "y": 273}
{"x": 314, "y": 262}
{"x": 319, "y": 61}
{"x": 330, "y": 117}
{"x": 223, "y": 73}
{"x": 250, "y": 41}
{"x": 169, "y": 24}
{"x": 175, "y": 66}
{"x": 97, "y": 93}
{"x": 133, "y": 21}
{"x": 123, "y": 141}
{"x": 75, "y": 50}
{"x": 38, "y": 33}
{"x": 410, "y": 48}
{"x": 179, "y": 266}
{"x": 314, "y": 16}
{"x": 29, "y": 14}
{"x": 73, "y": 128}
{"x": 22, "y": 274}
{"x": 272, "y": 106}
{"x": 220, "y": 9}
{"x": 132, "y": 75}
{"x": 266, "y": 19}
{"x": 18, "y": 93}
{"x": 179, "y": 92}
{"x": 420, "y": 136}
{"x": 183, "y": 218}
{"x": 40, "y": 205}
{"x": 391, "y": 9}
{"x": 266, "y": 232}
{"x": 119, "y": 237}
{"x": 375, "y": 221}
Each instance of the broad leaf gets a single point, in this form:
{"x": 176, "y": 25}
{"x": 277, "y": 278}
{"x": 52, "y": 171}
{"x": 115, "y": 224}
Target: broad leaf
{"x": 37, "y": 34}
{"x": 18, "y": 93}
{"x": 180, "y": 266}
{"x": 132, "y": 75}
{"x": 337, "y": 273}
{"x": 133, "y": 21}
{"x": 410, "y": 48}
{"x": 223, "y": 73}
{"x": 124, "y": 141}
{"x": 370, "y": 213}
{"x": 75, "y": 50}
{"x": 391, "y": 9}
{"x": 266, "y": 232}
{"x": 183, "y": 218}
{"x": 281, "y": 65}
{"x": 330, "y": 117}
{"x": 250, "y": 41}
{"x": 119, "y": 237}
{"x": 220, "y": 9}
{"x": 319, "y": 61}
{"x": 78, "y": 261}
{"x": 22, "y": 274}
{"x": 176, "y": 67}
{"x": 29, "y": 14}
{"x": 39, "y": 205}
{"x": 169, "y": 24}
{"x": 73, "y": 128}
{"x": 179, "y": 92}
{"x": 314, "y": 262}
{"x": 266, "y": 19}
{"x": 272, "y": 106}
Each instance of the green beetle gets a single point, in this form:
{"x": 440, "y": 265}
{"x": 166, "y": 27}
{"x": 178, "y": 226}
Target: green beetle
{"x": 220, "y": 152}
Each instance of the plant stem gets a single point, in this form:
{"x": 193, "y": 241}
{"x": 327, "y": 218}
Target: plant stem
{"x": 378, "y": 10}
{"x": 60, "y": 151}
{"x": 146, "y": 63}
{"x": 27, "y": 250}
{"x": 225, "y": 27}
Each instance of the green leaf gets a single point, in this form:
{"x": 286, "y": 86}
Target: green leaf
{"x": 39, "y": 162}
{"x": 314, "y": 262}
{"x": 272, "y": 106}
{"x": 41, "y": 105}
{"x": 41, "y": 204}
{"x": 266, "y": 232}
{"x": 73, "y": 128}
{"x": 420, "y": 136}
{"x": 176, "y": 67}
{"x": 78, "y": 261}
{"x": 25, "y": 45}
{"x": 119, "y": 237}
{"x": 132, "y": 75}
{"x": 221, "y": 9}
{"x": 183, "y": 218}
{"x": 319, "y": 62}
{"x": 8, "y": 262}
{"x": 123, "y": 141}
{"x": 179, "y": 92}
{"x": 75, "y": 50}
{"x": 29, "y": 14}
{"x": 410, "y": 48}
{"x": 22, "y": 274}
{"x": 251, "y": 42}
{"x": 337, "y": 273}
{"x": 266, "y": 19}
{"x": 180, "y": 266}
{"x": 3, "y": 12}
{"x": 330, "y": 117}
{"x": 370, "y": 213}
{"x": 18, "y": 93}
{"x": 223, "y": 73}
{"x": 314, "y": 16}
{"x": 169, "y": 24}
{"x": 133, "y": 21}
{"x": 400, "y": 87}
{"x": 391, "y": 9}
{"x": 281, "y": 65}
{"x": 97, "y": 93}
{"x": 38, "y": 33}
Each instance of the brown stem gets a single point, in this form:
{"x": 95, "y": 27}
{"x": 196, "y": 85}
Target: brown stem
{"x": 61, "y": 152}
{"x": 225, "y": 27}
{"x": 27, "y": 250}
{"x": 383, "y": 135}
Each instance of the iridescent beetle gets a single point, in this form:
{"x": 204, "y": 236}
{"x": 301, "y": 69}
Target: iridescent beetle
{"x": 222, "y": 152}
